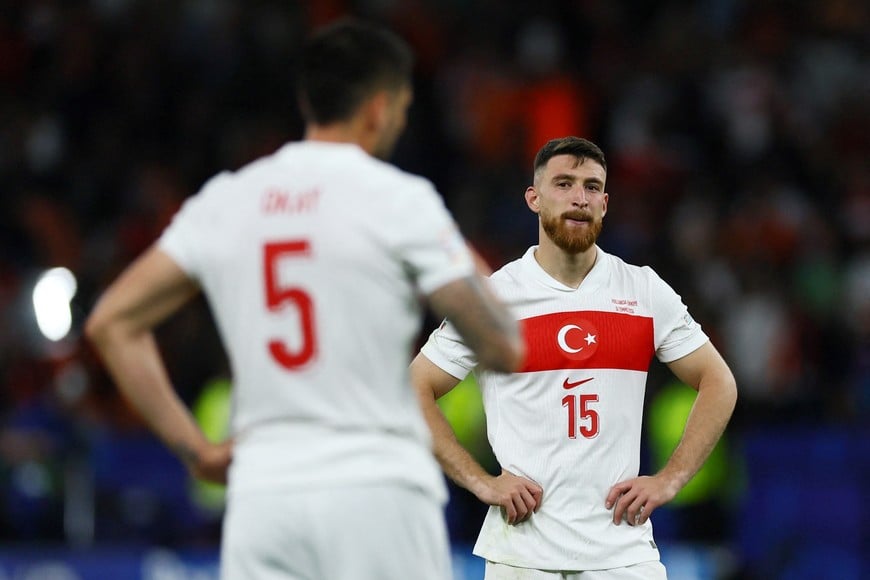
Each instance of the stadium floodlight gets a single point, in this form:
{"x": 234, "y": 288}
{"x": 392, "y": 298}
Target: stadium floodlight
{"x": 51, "y": 302}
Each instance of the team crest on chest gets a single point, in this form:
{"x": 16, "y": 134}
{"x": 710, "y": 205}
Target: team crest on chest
{"x": 577, "y": 338}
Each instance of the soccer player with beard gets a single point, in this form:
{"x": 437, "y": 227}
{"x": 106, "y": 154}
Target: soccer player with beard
{"x": 566, "y": 428}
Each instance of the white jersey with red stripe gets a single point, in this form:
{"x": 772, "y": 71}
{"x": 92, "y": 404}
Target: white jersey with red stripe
{"x": 313, "y": 261}
{"x": 571, "y": 418}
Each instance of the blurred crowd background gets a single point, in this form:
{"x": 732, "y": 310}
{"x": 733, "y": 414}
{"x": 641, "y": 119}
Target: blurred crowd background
{"x": 737, "y": 135}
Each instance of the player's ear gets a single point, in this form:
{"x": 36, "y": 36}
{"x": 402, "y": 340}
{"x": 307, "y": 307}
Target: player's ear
{"x": 377, "y": 110}
{"x": 533, "y": 199}
{"x": 604, "y": 207}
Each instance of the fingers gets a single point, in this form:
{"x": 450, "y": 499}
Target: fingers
{"x": 510, "y": 510}
{"x": 214, "y": 463}
{"x": 520, "y": 506}
{"x": 642, "y": 515}
{"x": 616, "y": 492}
{"x": 632, "y": 506}
{"x": 533, "y": 495}
{"x": 618, "y": 508}
{"x": 538, "y": 494}
{"x": 529, "y": 505}
{"x": 521, "y": 499}
{"x": 617, "y": 500}
{"x": 520, "y": 509}
{"x": 629, "y": 507}
{"x": 634, "y": 512}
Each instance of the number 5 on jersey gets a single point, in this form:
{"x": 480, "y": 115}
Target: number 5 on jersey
{"x": 278, "y": 297}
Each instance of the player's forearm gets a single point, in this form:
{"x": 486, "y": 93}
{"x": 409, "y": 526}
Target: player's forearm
{"x": 485, "y": 324}
{"x": 458, "y": 464}
{"x": 710, "y": 414}
{"x": 134, "y": 363}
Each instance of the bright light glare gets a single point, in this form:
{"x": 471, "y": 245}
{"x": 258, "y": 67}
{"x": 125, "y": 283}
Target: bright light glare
{"x": 51, "y": 298}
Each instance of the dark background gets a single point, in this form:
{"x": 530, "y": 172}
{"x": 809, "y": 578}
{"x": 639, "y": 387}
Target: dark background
{"x": 737, "y": 141}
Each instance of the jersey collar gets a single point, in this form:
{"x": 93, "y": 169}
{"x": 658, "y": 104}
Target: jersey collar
{"x": 591, "y": 281}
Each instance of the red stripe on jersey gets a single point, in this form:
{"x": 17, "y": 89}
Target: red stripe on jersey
{"x": 588, "y": 340}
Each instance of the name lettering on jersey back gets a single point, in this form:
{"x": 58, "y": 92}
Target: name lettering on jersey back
{"x": 588, "y": 340}
{"x": 283, "y": 201}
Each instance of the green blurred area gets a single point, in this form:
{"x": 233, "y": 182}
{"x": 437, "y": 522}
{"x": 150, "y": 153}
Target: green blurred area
{"x": 666, "y": 420}
{"x": 212, "y": 411}
{"x": 463, "y": 408}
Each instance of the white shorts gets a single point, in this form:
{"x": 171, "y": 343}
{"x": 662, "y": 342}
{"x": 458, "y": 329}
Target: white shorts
{"x": 653, "y": 570}
{"x": 376, "y": 532}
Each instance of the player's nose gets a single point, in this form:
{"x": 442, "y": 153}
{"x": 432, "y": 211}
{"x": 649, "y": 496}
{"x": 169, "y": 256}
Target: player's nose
{"x": 580, "y": 198}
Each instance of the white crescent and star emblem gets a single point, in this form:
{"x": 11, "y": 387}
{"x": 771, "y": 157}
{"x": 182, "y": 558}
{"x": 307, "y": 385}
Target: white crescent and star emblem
{"x": 563, "y": 343}
{"x": 579, "y": 340}
{"x": 563, "y": 332}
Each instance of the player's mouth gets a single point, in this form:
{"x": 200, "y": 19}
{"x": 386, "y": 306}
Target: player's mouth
{"x": 577, "y": 218}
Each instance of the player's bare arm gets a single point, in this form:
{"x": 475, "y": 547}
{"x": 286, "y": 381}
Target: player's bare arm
{"x": 706, "y": 371}
{"x": 517, "y": 496}
{"x": 120, "y": 328}
{"x": 483, "y": 322}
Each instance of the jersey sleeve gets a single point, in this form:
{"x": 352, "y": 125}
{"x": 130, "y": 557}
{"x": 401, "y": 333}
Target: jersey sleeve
{"x": 447, "y": 351}
{"x": 428, "y": 241}
{"x": 676, "y": 332}
{"x": 185, "y": 239}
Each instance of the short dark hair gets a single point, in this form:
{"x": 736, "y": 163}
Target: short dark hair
{"x": 580, "y": 148}
{"x": 344, "y": 64}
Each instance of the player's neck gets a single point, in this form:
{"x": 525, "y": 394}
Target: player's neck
{"x": 350, "y": 132}
{"x": 569, "y": 269}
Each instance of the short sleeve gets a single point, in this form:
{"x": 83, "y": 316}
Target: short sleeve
{"x": 676, "y": 332}
{"x": 185, "y": 239}
{"x": 428, "y": 241}
{"x": 447, "y": 351}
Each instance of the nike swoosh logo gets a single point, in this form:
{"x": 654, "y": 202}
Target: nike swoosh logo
{"x": 569, "y": 385}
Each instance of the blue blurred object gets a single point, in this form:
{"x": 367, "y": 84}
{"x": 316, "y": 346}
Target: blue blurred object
{"x": 36, "y": 439}
{"x": 804, "y": 514}
{"x": 109, "y": 564}
{"x": 141, "y": 491}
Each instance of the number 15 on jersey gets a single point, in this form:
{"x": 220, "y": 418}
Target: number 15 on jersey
{"x": 580, "y": 410}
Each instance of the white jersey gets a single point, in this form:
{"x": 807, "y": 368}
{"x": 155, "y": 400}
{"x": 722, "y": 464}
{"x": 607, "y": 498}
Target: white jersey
{"x": 313, "y": 260}
{"x": 571, "y": 418}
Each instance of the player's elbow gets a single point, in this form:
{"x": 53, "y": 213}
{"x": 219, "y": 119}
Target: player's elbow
{"x": 99, "y": 328}
{"x": 724, "y": 388}
{"x": 96, "y": 328}
{"x": 731, "y": 389}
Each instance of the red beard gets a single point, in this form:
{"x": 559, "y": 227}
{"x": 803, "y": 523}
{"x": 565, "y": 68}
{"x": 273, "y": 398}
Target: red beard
{"x": 571, "y": 240}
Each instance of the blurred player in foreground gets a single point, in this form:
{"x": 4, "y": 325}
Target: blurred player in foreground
{"x": 313, "y": 261}
{"x": 566, "y": 428}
